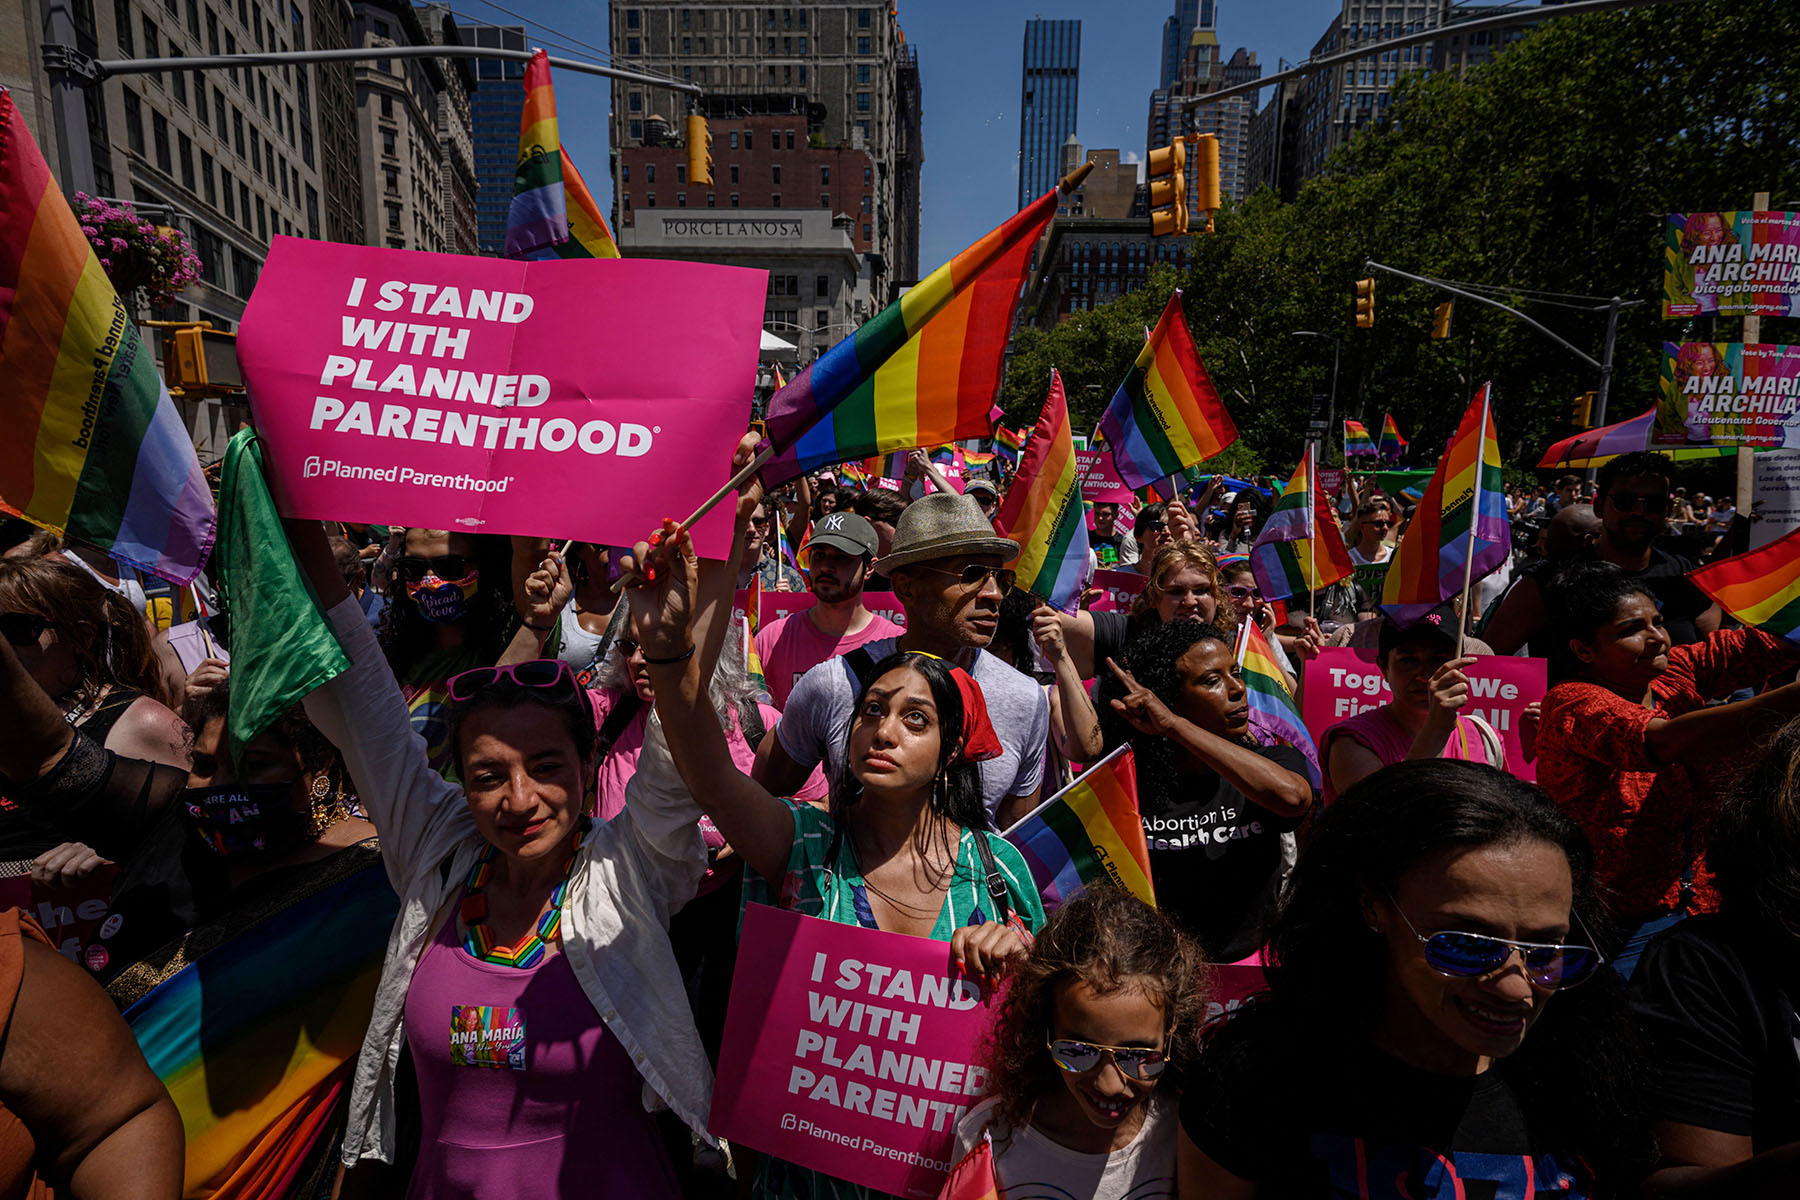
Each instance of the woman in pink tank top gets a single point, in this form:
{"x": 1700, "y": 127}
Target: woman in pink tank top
{"x": 1423, "y": 718}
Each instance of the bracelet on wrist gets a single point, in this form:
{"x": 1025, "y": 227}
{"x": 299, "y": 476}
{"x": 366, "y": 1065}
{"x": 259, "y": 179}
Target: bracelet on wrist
{"x": 669, "y": 662}
{"x": 539, "y": 628}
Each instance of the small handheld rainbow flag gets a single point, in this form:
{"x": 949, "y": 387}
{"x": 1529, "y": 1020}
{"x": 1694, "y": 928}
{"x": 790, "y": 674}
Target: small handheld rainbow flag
{"x": 975, "y": 460}
{"x": 924, "y": 371}
{"x": 1459, "y": 531}
{"x": 973, "y": 1178}
{"x": 1761, "y": 588}
{"x": 1357, "y": 442}
{"x": 1009, "y": 444}
{"x": 552, "y": 213}
{"x": 1043, "y": 510}
{"x": 1392, "y": 444}
{"x": 1300, "y": 549}
{"x": 1089, "y": 831}
{"x": 1273, "y": 711}
{"x": 1166, "y": 414}
{"x": 93, "y": 446}
{"x": 751, "y": 619}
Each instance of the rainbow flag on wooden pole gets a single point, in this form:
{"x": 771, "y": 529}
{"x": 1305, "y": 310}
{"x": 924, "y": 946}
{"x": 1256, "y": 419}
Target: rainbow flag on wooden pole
{"x": 93, "y": 446}
{"x": 1272, "y": 707}
{"x": 1166, "y": 414}
{"x": 1357, "y": 442}
{"x": 1760, "y": 588}
{"x": 1089, "y": 831}
{"x": 1043, "y": 510}
{"x": 1285, "y": 558}
{"x": 925, "y": 370}
{"x": 1459, "y": 531}
{"x": 1392, "y": 444}
{"x": 552, "y": 213}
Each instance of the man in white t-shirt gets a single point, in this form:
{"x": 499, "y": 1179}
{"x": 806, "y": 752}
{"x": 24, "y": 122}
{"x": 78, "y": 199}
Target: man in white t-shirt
{"x": 948, "y": 570}
{"x": 837, "y": 559}
{"x": 1373, "y": 521}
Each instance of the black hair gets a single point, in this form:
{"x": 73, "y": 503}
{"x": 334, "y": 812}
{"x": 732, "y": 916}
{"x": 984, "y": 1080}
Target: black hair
{"x": 1150, "y": 658}
{"x": 879, "y": 504}
{"x": 1013, "y": 632}
{"x": 956, "y": 790}
{"x": 407, "y": 637}
{"x": 1580, "y": 597}
{"x": 1575, "y": 1073}
{"x": 1754, "y": 850}
{"x": 291, "y": 726}
{"x": 1638, "y": 464}
{"x": 1260, "y": 507}
{"x": 577, "y": 717}
{"x": 1147, "y": 516}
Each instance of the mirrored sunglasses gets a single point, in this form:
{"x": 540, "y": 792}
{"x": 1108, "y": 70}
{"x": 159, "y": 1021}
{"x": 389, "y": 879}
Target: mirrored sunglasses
{"x": 1134, "y": 1062}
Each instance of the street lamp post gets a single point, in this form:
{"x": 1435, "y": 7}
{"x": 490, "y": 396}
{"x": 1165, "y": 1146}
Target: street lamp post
{"x": 1337, "y": 350}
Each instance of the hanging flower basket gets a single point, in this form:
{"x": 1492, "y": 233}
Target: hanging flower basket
{"x": 146, "y": 264}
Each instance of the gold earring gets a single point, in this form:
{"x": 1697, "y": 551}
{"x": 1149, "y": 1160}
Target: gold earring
{"x": 321, "y": 786}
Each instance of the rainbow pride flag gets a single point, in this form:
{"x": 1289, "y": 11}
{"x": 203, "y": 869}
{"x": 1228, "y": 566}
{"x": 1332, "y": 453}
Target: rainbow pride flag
{"x": 1273, "y": 711}
{"x": 1300, "y": 549}
{"x": 1043, "y": 512}
{"x": 1392, "y": 444}
{"x": 1463, "y": 511}
{"x": 1761, "y": 588}
{"x": 1357, "y": 442}
{"x": 973, "y": 1178}
{"x": 1009, "y": 444}
{"x": 1089, "y": 831}
{"x": 1166, "y": 414}
{"x": 924, "y": 371}
{"x": 751, "y": 619}
{"x": 553, "y": 215}
{"x": 93, "y": 446}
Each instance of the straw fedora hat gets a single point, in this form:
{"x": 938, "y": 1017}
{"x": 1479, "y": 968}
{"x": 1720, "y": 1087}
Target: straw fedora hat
{"x": 943, "y": 525}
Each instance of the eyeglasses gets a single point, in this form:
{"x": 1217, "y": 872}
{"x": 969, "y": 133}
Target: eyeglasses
{"x": 1377, "y": 522}
{"x": 977, "y": 574}
{"x": 1548, "y": 965}
{"x": 760, "y": 522}
{"x": 1134, "y": 1062}
{"x": 22, "y": 629}
{"x": 545, "y": 674}
{"x": 412, "y": 568}
{"x": 627, "y": 646}
{"x": 1650, "y": 503}
{"x": 1156, "y": 527}
{"x": 1243, "y": 591}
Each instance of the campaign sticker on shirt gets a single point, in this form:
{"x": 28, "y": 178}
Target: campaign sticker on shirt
{"x": 111, "y": 925}
{"x": 484, "y": 1036}
{"x": 97, "y": 958}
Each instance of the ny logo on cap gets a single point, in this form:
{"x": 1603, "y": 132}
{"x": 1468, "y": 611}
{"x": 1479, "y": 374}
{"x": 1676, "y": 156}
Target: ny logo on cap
{"x": 831, "y": 523}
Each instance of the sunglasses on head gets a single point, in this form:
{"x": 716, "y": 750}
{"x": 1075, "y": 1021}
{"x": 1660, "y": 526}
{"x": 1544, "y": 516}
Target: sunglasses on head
{"x": 1649, "y": 503}
{"x": 1548, "y": 965}
{"x": 1134, "y": 1062}
{"x": 22, "y": 629}
{"x": 976, "y": 574}
{"x": 544, "y": 674}
{"x": 412, "y": 568}
{"x": 1243, "y": 591}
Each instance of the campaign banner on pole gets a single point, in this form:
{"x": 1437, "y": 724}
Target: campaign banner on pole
{"x": 780, "y": 604}
{"x": 849, "y": 1050}
{"x": 1118, "y": 589}
{"x": 1731, "y": 264}
{"x": 1099, "y": 479}
{"x": 584, "y": 398}
{"x": 1728, "y": 394}
{"x": 1343, "y": 681}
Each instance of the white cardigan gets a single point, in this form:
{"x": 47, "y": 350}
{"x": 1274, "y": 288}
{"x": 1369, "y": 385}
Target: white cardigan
{"x": 633, "y": 872}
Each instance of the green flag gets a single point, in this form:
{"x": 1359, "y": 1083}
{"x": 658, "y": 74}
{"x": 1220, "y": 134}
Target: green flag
{"x": 281, "y": 645}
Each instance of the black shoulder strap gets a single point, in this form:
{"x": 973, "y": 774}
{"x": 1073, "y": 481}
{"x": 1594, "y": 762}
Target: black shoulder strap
{"x": 996, "y": 882}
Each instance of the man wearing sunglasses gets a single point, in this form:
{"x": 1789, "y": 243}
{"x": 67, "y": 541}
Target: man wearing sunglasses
{"x": 1374, "y": 521}
{"x": 776, "y": 575}
{"x": 1633, "y": 504}
{"x": 948, "y": 570}
{"x": 837, "y": 559}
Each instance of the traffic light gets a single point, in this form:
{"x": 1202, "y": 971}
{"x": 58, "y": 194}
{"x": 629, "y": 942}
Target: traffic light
{"x": 202, "y": 362}
{"x": 1365, "y": 303}
{"x": 1440, "y": 324}
{"x": 1584, "y": 410}
{"x": 1207, "y": 196}
{"x": 699, "y": 152}
{"x": 1167, "y": 172}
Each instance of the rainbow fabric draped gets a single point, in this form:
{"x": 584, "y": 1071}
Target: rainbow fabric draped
{"x": 1089, "y": 831}
{"x": 256, "y": 1038}
{"x": 1300, "y": 549}
{"x": 973, "y": 1178}
{"x": 553, "y": 215}
{"x": 1463, "y": 511}
{"x": 1761, "y": 588}
{"x": 1043, "y": 512}
{"x": 923, "y": 372}
{"x": 93, "y": 446}
{"x": 1392, "y": 444}
{"x": 1357, "y": 442}
{"x": 1273, "y": 710}
{"x": 1166, "y": 414}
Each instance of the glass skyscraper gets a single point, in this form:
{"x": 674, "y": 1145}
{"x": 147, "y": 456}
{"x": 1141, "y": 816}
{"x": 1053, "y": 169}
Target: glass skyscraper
{"x": 1178, "y": 31}
{"x": 1048, "y": 102}
{"x": 494, "y": 110}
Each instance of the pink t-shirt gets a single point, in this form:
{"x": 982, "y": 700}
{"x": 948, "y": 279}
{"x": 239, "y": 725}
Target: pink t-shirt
{"x": 1376, "y": 731}
{"x": 791, "y": 646}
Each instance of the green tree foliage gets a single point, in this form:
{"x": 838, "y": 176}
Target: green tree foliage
{"x": 1549, "y": 170}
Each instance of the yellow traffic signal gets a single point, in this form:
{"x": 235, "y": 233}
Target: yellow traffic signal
{"x": 1440, "y": 324}
{"x": 1584, "y": 410}
{"x": 202, "y": 362}
{"x": 1365, "y": 303}
{"x": 699, "y": 152}
{"x": 1167, "y": 172}
{"x": 1208, "y": 196}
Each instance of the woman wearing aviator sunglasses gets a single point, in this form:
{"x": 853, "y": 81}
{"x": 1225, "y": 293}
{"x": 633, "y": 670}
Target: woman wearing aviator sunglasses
{"x": 1437, "y": 1023}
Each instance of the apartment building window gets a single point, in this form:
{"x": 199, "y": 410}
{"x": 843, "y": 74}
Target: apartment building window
{"x": 393, "y": 216}
{"x": 787, "y": 45}
{"x": 687, "y": 18}
{"x": 200, "y": 108}
{"x": 867, "y": 173}
{"x": 122, "y": 27}
{"x": 803, "y": 45}
{"x": 680, "y": 172}
{"x": 746, "y": 139}
{"x": 387, "y": 107}
{"x": 775, "y": 174}
{"x": 863, "y": 16}
{"x": 134, "y": 122}
{"x": 237, "y": 131}
{"x": 625, "y": 173}
{"x": 159, "y": 133}
{"x": 262, "y": 221}
{"x": 633, "y": 19}
{"x": 821, "y": 318}
{"x": 771, "y": 74}
{"x": 219, "y": 112}
{"x": 712, "y": 200}
{"x": 687, "y": 45}
{"x": 865, "y": 202}
{"x": 775, "y": 200}
{"x": 862, "y": 45}
{"x": 734, "y": 199}
{"x": 680, "y": 199}
{"x": 734, "y": 139}
{"x": 821, "y": 286}
{"x": 862, "y": 102}
{"x": 824, "y": 199}
{"x": 637, "y": 131}
{"x": 178, "y": 80}
{"x": 862, "y": 72}
{"x": 824, "y": 176}
{"x": 152, "y": 44}
{"x": 626, "y": 201}
{"x": 770, "y": 46}
{"x": 634, "y": 46}
{"x": 312, "y": 212}
{"x": 255, "y": 152}
{"x": 790, "y": 139}
{"x": 243, "y": 272}
{"x": 206, "y": 179}
{"x": 184, "y": 154}
{"x": 634, "y": 102}
{"x": 649, "y": 172}
{"x": 771, "y": 18}
{"x": 389, "y": 143}
{"x": 802, "y": 20}
{"x": 649, "y": 199}
{"x": 391, "y": 177}
{"x": 865, "y": 231}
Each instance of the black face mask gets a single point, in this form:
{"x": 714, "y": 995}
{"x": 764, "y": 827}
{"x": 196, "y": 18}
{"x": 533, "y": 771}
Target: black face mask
{"x": 247, "y": 819}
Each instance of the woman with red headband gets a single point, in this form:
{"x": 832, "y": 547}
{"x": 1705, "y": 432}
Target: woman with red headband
{"x": 904, "y": 846}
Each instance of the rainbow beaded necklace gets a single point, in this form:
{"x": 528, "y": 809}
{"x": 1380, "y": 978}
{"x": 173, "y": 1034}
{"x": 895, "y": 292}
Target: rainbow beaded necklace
{"x": 478, "y": 940}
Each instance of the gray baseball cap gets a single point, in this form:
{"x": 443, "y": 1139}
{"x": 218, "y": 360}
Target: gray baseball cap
{"x": 844, "y": 531}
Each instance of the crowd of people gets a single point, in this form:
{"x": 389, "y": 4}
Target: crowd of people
{"x": 470, "y": 910}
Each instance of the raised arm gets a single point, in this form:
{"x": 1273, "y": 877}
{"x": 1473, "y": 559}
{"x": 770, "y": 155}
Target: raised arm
{"x": 1077, "y": 733}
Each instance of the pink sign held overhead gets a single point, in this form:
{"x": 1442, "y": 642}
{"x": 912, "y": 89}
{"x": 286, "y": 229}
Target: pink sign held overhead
{"x": 848, "y": 1050}
{"x": 585, "y": 399}
{"x": 1118, "y": 589}
{"x": 1099, "y": 479}
{"x": 1342, "y": 682}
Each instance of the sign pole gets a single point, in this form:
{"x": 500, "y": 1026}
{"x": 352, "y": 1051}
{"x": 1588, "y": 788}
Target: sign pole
{"x": 1746, "y": 456}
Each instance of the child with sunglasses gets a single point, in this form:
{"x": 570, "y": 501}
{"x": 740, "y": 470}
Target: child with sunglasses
{"x": 1086, "y": 1053}
{"x": 1422, "y": 1034}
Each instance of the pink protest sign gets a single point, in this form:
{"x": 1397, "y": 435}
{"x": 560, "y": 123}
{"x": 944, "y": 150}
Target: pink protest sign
{"x": 1233, "y": 984}
{"x": 1117, "y": 590}
{"x": 780, "y": 604}
{"x": 1342, "y": 682}
{"x": 1099, "y": 480}
{"x": 849, "y": 1050}
{"x": 1331, "y": 480}
{"x": 585, "y": 399}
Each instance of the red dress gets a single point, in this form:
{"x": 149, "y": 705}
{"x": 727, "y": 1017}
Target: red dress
{"x": 1648, "y": 821}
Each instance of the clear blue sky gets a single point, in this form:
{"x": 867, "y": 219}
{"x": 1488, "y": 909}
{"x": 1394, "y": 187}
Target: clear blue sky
{"x": 969, "y": 58}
